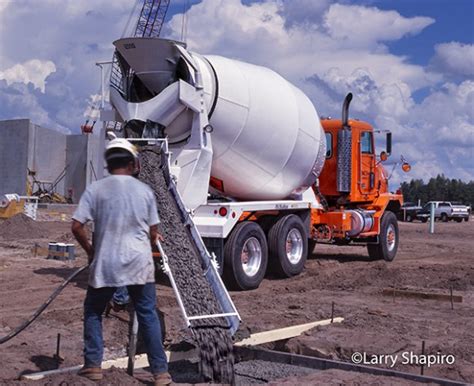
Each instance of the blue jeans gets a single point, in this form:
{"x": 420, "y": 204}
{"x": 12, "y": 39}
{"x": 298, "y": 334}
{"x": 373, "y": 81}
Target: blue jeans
{"x": 121, "y": 296}
{"x": 144, "y": 301}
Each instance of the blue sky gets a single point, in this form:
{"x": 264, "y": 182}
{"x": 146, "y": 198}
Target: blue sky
{"x": 410, "y": 63}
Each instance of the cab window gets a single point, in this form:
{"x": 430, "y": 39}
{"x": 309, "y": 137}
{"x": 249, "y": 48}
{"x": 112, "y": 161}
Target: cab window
{"x": 328, "y": 145}
{"x": 366, "y": 146}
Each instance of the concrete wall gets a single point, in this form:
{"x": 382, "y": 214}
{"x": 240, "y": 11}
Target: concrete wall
{"x": 84, "y": 160}
{"x": 47, "y": 156}
{"x": 76, "y": 159}
{"x": 24, "y": 145}
{"x": 14, "y": 141}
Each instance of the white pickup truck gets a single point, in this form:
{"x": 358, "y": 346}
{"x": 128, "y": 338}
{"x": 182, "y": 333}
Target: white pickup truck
{"x": 444, "y": 211}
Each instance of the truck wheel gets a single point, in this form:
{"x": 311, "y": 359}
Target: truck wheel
{"x": 311, "y": 246}
{"x": 444, "y": 217}
{"x": 245, "y": 256}
{"x": 408, "y": 218}
{"x": 288, "y": 246}
{"x": 466, "y": 218}
{"x": 424, "y": 219}
{"x": 388, "y": 239}
{"x": 459, "y": 219}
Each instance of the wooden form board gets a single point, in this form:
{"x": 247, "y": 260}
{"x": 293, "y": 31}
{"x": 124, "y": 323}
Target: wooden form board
{"x": 421, "y": 295}
{"x": 284, "y": 333}
{"x": 141, "y": 360}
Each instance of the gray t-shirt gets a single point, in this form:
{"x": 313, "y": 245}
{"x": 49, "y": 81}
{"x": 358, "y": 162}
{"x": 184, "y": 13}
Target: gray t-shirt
{"x": 122, "y": 209}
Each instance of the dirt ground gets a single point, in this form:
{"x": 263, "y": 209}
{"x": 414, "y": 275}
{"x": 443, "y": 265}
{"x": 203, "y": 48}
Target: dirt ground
{"x": 374, "y": 323}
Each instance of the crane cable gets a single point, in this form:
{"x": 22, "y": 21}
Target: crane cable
{"x": 41, "y": 308}
{"x": 184, "y": 25}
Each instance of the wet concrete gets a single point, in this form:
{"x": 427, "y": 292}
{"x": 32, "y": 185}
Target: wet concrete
{"x": 248, "y": 372}
{"x": 212, "y": 335}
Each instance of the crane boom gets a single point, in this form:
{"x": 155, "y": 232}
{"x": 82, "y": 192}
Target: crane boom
{"x": 152, "y": 17}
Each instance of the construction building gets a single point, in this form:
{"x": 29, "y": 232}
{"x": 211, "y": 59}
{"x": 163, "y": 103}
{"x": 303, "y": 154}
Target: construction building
{"x": 34, "y": 157}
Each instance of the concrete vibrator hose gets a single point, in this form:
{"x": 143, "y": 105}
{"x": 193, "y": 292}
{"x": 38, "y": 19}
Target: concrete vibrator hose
{"x": 40, "y": 309}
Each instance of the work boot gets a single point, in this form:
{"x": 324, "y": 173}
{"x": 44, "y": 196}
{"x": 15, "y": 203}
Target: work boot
{"x": 162, "y": 379}
{"x": 92, "y": 373}
{"x": 116, "y": 307}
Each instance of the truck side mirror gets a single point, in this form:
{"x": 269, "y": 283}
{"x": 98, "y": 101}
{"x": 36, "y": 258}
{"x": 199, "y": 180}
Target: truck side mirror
{"x": 389, "y": 143}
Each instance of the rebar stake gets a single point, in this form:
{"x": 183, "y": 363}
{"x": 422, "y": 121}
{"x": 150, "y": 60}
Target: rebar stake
{"x": 451, "y": 294}
{"x": 422, "y": 354}
{"x": 57, "y": 356}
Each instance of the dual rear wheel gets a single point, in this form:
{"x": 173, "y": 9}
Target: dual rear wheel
{"x": 248, "y": 251}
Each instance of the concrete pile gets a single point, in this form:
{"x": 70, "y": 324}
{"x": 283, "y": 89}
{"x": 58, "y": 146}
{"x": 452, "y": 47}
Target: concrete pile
{"x": 212, "y": 335}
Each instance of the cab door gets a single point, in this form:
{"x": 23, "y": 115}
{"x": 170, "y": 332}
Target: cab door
{"x": 366, "y": 163}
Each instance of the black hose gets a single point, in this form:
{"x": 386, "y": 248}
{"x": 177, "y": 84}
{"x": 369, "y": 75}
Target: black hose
{"x": 38, "y": 312}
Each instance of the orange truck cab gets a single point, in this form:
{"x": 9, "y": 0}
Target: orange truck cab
{"x": 358, "y": 205}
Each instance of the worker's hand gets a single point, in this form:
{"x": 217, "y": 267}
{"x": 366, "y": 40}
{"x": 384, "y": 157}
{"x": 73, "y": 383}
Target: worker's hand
{"x": 159, "y": 237}
{"x": 79, "y": 231}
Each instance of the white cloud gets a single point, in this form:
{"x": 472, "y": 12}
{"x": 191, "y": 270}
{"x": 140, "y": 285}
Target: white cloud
{"x": 24, "y": 101}
{"x": 4, "y": 4}
{"x": 261, "y": 35}
{"x": 33, "y": 71}
{"x": 71, "y": 34}
{"x": 304, "y": 11}
{"x": 363, "y": 25}
{"x": 454, "y": 58}
{"x": 340, "y": 48}
{"x": 388, "y": 99}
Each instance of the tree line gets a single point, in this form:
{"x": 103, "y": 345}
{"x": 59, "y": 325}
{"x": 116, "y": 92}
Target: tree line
{"x": 439, "y": 189}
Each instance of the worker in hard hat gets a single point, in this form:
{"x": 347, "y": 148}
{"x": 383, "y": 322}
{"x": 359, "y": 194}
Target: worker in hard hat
{"x": 125, "y": 217}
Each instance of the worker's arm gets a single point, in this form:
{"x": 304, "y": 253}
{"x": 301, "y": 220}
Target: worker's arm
{"x": 155, "y": 236}
{"x": 79, "y": 231}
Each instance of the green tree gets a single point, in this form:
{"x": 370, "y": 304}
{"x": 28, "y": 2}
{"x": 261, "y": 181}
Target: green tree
{"x": 440, "y": 188}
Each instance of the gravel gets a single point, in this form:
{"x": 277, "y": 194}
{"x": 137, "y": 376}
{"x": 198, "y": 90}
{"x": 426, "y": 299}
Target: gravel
{"x": 212, "y": 335}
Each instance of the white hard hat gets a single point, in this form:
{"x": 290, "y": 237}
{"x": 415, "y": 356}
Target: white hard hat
{"x": 121, "y": 144}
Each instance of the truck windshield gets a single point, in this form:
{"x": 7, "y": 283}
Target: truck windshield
{"x": 366, "y": 142}
{"x": 328, "y": 145}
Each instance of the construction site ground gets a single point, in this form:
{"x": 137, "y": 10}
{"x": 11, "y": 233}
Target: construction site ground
{"x": 374, "y": 323}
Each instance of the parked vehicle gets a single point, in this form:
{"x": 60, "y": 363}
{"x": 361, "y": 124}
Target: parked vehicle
{"x": 408, "y": 211}
{"x": 444, "y": 211}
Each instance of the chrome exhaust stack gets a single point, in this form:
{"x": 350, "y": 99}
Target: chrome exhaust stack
{"x": 344, "y": 150}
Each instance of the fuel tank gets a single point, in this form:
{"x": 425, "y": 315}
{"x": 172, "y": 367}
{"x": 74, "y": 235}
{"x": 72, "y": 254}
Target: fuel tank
{"x": 267, "y": 140}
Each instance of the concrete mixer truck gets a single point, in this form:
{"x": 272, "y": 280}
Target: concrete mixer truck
{"x": 247, "y": 148}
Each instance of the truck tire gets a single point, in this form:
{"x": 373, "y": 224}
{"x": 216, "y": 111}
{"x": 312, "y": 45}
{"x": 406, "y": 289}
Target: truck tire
{"x": 245, "y": 256}
{"x": 466, "y": 218}
{"x": 288, "y": 246}
{"x": 311, "y": 246}
{"x": 408, "y": 218}
{"x": 459, "y": 219}
{"x": 444, "y": 217}
{"x": 424, "y": 219}
{"x": 388, "y": 239}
